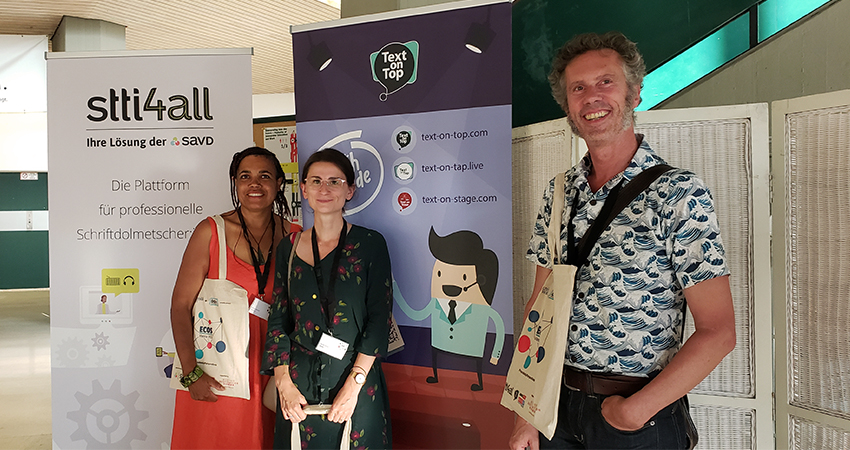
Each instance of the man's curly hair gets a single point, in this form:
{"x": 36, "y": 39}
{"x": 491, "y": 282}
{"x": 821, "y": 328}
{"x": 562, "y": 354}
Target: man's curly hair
{"x": 633, "y": 65}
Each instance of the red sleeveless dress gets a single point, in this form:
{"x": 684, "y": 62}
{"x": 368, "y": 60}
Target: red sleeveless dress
{"x": 230, "y": 423}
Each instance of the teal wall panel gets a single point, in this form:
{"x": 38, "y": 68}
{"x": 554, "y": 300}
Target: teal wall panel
{"x": 17, "y": 195}
{"x": 23, "y": 260}
{"x": 23, "y": 254}
{"x": 662, "y": 30}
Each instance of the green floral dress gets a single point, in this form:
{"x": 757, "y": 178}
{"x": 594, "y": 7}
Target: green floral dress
{"x": 361, "y": 318}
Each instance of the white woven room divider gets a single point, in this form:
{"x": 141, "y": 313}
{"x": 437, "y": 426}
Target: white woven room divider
{"x": 812, "y": 264}
{"x": 540, "y": 151}
{"x": 720, "y": 152}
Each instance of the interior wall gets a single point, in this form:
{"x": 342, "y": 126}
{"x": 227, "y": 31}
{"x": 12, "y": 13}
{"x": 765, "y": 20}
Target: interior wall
{"x": 351, "y": 8}
{"x": 809, "y": 57}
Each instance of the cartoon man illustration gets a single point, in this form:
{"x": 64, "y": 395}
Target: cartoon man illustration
{"x": 463, "y": 283}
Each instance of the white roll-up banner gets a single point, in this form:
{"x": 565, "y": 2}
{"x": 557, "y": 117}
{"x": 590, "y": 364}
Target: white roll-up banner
{"x": 139, "y": 145}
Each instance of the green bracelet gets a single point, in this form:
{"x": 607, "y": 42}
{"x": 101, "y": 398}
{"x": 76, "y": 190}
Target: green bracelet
{"x": 191, "y": 377}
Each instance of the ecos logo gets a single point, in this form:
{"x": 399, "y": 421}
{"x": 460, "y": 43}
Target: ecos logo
{"x": 368, "y": 168}
{"x": 395, "y": 66}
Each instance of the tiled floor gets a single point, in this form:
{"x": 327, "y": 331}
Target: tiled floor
{"x": 25, "y": 370}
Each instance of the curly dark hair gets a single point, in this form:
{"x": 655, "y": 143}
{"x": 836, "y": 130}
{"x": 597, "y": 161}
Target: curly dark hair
{"x": 633, "y": 66}
{"x": 281, "y": 207}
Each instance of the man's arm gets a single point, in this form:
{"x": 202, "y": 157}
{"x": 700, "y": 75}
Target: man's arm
{"x": 710, "y": 302}
{"x": 500, "y": 335}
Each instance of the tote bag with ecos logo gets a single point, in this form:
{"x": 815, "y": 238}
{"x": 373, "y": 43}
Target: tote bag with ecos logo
{"x": 533, "y": 385}
{"x": 220, "y": 330}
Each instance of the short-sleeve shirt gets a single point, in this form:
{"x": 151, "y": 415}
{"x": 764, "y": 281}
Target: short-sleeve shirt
{"x": 629, "y": 304}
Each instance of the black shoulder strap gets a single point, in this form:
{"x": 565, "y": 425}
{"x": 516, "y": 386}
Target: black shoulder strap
{"x": 617, "y": 200}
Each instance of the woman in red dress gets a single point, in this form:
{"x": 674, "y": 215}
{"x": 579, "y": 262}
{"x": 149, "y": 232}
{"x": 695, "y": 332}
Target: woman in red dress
{"x": 252, "y": 231}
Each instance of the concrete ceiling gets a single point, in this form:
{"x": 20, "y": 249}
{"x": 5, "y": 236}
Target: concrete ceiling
{"x": 180, "y": 24}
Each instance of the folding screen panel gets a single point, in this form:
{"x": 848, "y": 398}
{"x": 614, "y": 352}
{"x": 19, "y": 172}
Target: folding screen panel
{"x": 728, "y": 148}
{"x": 811, "y": 166}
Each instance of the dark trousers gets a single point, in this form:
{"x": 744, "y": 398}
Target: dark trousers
{"x": 581, "y": 426}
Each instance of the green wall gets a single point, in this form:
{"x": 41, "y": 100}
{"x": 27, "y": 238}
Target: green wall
{"x": 23, "y": 254}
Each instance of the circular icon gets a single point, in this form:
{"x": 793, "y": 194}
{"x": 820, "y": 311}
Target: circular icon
{"x": 541, "y": 352}
{"x": 403, "y": 139}
{"x": 404, "y": 201}
{"x": 524, "y": 343}
{"x": 220, "y": 346}
{"x": 404, "y": 170}
{"x": 533, "y": 316}
{"x": 199, "y": 353}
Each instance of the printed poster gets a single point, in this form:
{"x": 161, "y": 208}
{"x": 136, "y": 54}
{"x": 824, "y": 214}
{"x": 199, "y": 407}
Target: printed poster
{"x": 283, "y": 142}
{"x": 420, "y": 101}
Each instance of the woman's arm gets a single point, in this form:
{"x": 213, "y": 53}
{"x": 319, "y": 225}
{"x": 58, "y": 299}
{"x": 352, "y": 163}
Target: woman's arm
{"x": 375, "y": 336}
{"x": 292, "y": 402}
{"x": 345, "y": 401}
{"x": 278, "y": 344}
{"x": 190, "y": 278}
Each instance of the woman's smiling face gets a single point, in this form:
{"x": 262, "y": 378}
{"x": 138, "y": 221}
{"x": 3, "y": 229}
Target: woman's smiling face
{"x": 325, "y": 188}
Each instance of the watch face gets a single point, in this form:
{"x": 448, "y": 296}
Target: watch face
{"x": 359, "y": 378}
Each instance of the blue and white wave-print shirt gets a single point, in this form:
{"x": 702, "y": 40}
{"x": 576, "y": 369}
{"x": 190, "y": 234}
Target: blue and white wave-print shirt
{"x": 628, "y": 313}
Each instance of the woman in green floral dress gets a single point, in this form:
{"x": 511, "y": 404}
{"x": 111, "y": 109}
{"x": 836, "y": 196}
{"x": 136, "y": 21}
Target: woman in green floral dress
{"x": 329, "y": 323}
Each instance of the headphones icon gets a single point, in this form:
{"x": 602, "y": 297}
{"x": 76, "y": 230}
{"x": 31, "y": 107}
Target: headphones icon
{"x": 132, "y": 280}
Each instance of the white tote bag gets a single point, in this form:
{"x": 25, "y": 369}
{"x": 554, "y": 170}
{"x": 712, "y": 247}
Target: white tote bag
{"x": 533, "y": 385}
{"x": 220, "y": 330}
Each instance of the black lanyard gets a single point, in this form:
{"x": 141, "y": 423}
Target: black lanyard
{"x": 262, "y": 276}
{"x": 328, "y": 297}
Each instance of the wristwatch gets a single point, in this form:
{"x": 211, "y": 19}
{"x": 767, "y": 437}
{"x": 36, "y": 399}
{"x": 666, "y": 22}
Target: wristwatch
{"x": 359, "y": 378}
{"x": 191, "y": 377}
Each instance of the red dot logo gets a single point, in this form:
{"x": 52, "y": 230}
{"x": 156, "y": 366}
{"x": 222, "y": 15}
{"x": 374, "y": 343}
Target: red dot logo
{"x": 524, "y": 343}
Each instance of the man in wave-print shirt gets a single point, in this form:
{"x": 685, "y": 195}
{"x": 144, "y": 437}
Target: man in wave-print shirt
{"x": 627, "y": 372}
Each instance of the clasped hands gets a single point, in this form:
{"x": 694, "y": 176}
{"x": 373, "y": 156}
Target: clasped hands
{"x": 292, "y": 402}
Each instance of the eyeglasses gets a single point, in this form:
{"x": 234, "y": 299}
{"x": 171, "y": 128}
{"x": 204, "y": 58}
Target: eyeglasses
{"x": 331, "y": 183}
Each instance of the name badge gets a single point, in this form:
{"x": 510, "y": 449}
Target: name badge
{"x": 332, "y": 346}
{"x": 260, "y": 309}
